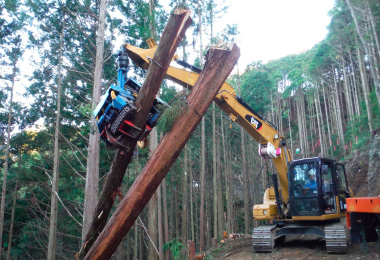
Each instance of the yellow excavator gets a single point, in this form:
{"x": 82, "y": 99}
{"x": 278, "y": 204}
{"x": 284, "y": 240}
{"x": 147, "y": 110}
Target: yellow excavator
{"x": 309, "y": 196}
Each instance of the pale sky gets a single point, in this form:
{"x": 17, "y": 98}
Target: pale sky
{"x": 271, "y": 29}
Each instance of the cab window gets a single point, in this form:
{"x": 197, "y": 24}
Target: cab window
{"x": 304, "y": 179}
{"x": 342, "y": 184}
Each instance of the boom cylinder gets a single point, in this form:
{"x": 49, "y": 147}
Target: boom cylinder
{"x": 267, "y": 151}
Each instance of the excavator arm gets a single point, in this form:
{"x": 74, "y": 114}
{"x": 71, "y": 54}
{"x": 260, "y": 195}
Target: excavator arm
{"x": 271, "y": 143}
{"x": 325, "y": 203}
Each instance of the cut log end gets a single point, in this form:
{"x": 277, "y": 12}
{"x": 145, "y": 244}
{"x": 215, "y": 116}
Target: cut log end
{"x": 180, "y": 11}
{"x": 228, "y": 46}
{"x": 222, "y": 50}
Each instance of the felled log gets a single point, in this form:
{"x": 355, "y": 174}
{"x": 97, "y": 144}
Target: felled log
{"x": 173, "y": 33}
{"x": 219, "y": 64}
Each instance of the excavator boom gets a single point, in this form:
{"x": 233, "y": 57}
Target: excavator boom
{"x": 239, "y": 111}
{"x": 318, "y": 185}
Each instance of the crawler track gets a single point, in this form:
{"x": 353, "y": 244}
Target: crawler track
{"x": 126, "y": 113}
{"x": 263, "y": 238}
{"x": 336, "y": 240}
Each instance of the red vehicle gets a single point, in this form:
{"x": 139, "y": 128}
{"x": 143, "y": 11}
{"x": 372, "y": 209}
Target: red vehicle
{"x": 363, "y": 218}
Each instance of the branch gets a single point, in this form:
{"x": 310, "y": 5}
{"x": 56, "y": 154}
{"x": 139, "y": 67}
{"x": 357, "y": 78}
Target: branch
{"x": 68, "y": 212}
{"x": 150, "y": 239}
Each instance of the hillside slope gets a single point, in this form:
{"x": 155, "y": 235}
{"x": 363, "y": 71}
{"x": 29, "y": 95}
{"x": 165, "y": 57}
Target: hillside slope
{"x": 363, "y": 168}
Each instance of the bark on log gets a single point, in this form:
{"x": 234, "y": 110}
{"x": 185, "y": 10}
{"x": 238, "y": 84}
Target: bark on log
{"x": 173, "y": 33}
{"x": 219, "y": 64}
{"x": 214, "y": 242}
{"x": 191, "y": 248}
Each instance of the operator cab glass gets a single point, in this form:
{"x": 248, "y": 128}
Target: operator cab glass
{"x": 303, "y": 181}
{"x": 342, "y": 187}
{"x": 314, "y": 186}
{"x": 328, "y": 194}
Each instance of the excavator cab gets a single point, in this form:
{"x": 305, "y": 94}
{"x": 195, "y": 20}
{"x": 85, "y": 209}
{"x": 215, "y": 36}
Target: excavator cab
{"x": 318, "y": 187}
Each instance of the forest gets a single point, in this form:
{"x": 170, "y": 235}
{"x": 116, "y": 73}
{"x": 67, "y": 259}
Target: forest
{"x": 324, "y": 101}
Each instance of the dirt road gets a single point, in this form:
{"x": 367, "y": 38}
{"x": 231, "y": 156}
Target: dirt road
{"x": 306, "y": 247}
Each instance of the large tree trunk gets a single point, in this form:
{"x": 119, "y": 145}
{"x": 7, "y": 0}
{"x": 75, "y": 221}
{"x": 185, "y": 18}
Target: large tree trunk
{"x": 7, "y": 150}
{"x": 247, "y": 216}
{"x": 12, "y": 224}
{"x": 371, "y": 46}
{"x": 192, "y": 225}
{"x": 202, "y": 186}
{"x": 327, "y": 116}
{"x": 160, "y": 227}
{"x": 302, "y": 129}
{"x": 54, "y": 189}
{"x": 339, "y": 120}
{"x": 141, "y": 244}
{"x": 135, "y": 246}
{"x": 355, "y": 87}
{"x": 172, "y": 206}
{"x": 289, "y": 126}
{"x": 324, "y": 142}
{"x": 166, "y": 221}
{"x": 365, "y": 88}
{"x": 184, "y": 221}
{"x": 319, "y": 122}
{"x": 214, "y": 173}
{"x": 177, "y": 202}
{"x": 203, "y": 150}
{"x": 218, "y": 66}
{"x": 152, "y": 205}
{"x": 303, "y": 114}
{"x": 120, "y": 252}
{"x": 160, "y": 224}
{"x": 220, "y": 189}
{"x": 128, "y": 257}
{"x": 228, "y": 179}
{"x": 349, "y": 107}
{"x": 230, "y": 201}
{"x": 152, "y": 20}
{"x": 373, "y": 24}
{"x": 226, "y": 227}
{"x": 92, "y": 171}
{"x": 178, "y": 22}
{"x": 208, "y": 214}
{"x": 367, "y": 52}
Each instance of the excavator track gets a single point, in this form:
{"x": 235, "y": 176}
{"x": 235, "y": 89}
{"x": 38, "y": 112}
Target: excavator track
{"x": 126, "y": 113}
{"x": 263, "y": 238}
{"x": 336, "y": 239}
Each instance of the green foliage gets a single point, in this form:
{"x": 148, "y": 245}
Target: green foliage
{"x": 257, "y": 87}
{"x": 229, "y": 33}
{"x": 11, "y": 5}
{"x": 375, "y": 110}
{"x": 169, "y": 115}
{"x": 168, "y": 93}
{"x": 321, "y": 58}
{"x": 176, "y": 247}
{"x": 138, "y": 23}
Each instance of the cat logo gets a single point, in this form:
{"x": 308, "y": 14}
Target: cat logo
{"x": 254, "y": 122}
